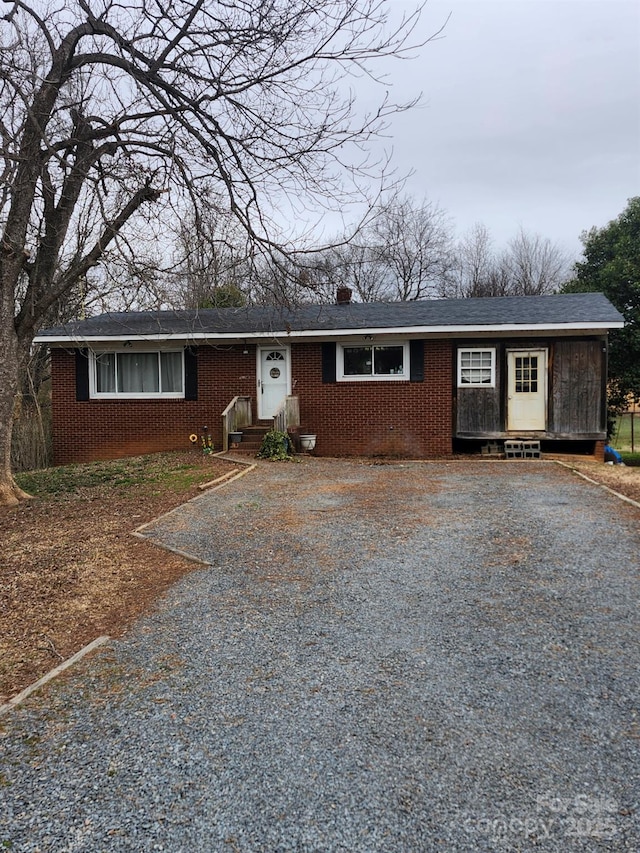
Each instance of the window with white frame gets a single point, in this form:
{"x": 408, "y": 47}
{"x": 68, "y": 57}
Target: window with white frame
{"x": 372, "y": 361}
{"x": 477, "y": 367}
{"x": 129, "y": 373}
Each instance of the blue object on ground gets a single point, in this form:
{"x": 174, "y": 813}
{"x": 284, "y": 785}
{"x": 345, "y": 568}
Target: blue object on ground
{"x": 611, "y": 455}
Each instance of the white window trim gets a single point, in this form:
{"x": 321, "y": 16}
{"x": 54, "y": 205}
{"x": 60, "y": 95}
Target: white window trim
{"x": 115, "y": 395}
{"x": 386, "y": 377}
{"x": 491, "y": 384}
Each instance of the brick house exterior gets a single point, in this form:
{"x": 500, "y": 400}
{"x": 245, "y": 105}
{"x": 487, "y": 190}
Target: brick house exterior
{"x": 446, "y": 374}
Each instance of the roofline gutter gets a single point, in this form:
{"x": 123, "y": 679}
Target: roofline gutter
{"x": 423, "y": 331}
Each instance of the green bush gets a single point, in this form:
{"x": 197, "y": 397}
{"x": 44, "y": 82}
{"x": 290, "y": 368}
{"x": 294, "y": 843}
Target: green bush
{"x": 631, "y": 459}
{"x": 276, "y": 446}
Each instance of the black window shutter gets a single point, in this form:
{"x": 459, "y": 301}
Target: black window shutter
{"x": 328, "y": 362}
{"x": 191, "y": 373}
{"x": 416, "y": 357}
{"x": 82, "y": 374}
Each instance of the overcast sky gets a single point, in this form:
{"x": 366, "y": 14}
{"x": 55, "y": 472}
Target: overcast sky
{"x": 530, "y": 116}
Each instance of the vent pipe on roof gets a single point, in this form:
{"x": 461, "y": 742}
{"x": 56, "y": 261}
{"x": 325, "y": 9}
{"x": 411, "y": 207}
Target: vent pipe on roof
{"x": 343, "y": 295}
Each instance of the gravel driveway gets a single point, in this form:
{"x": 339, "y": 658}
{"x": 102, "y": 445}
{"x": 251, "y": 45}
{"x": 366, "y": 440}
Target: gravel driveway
{"x": 407, "y": 657}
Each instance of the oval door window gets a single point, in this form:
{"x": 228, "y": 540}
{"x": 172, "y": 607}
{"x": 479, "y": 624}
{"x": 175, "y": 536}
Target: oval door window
{"x": 274, "y": 372}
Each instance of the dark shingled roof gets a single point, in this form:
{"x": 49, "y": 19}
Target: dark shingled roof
{"x": 524, "y": 311}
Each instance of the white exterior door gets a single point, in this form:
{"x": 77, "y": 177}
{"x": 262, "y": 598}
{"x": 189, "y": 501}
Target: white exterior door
{"x": 273, "y": 380}
{"x": 527, "y": 390}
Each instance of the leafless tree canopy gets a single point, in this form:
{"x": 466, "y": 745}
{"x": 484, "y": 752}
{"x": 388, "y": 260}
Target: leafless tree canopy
{"x": 404, "y": 252}
{"x": 106, "y": 107}
{"x": 113, "y": 117}
{"x": 530, "y": 265}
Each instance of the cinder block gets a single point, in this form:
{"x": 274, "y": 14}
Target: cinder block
{"x": 491, "y": 448}
{"x": 531, "y": 449}
{"x": 513, "y": 449}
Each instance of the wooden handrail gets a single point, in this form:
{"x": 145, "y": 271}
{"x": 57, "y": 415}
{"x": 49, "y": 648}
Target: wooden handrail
{"x": 235, "y": 416}
{"x": 288, "y": 415}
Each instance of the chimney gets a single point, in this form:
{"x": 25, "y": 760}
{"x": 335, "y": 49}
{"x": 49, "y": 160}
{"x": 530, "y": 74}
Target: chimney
{"x": 343, "y": 295}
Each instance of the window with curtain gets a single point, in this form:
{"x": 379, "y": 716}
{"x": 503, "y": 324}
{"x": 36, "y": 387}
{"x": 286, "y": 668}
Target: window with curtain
{"x": 138, "y": 374}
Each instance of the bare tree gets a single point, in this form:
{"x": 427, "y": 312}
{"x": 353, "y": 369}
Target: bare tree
{"x": 535, "y": 265}
{"x": 354, "y": 264}
{"x": 476, "y": 266}
{"x": 413, "y": 246}
{"x": 530, "y": 266}
{"x": 111, "y": 111}
{"x": 403, "y": 252}
{"x": 213, "y": 262}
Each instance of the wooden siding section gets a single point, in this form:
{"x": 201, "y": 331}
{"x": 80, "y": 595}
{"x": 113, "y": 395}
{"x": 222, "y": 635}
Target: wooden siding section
{"x": 576, "y": 404}
{"x": 576, "y": 388}
{"x": 480, "y": 410}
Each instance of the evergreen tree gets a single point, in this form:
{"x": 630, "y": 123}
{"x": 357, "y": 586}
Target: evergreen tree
{"x": 611, "y": 265}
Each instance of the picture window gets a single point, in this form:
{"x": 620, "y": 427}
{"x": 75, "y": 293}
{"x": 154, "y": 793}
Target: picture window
{"x": 138, "y": 374}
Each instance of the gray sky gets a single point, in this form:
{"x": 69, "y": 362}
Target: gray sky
{"x": 531, "y": 114}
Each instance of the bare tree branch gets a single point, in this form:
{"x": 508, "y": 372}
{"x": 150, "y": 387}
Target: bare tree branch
{"x": 530, "y": 266}
{"x": 106, "y": 106}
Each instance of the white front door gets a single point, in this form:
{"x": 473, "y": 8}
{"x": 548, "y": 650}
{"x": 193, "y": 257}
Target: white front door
{"x": 526, "y": 390}
{"x": 273, "y": 380}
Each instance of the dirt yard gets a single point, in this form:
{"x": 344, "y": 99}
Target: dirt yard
{"x": 70, "y": 569}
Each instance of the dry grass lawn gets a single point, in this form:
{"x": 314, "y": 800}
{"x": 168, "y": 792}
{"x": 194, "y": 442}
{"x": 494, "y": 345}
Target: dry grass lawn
{"x": 70, "y": 570}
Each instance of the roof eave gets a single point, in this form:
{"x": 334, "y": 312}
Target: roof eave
{"x": 424, "y": 331}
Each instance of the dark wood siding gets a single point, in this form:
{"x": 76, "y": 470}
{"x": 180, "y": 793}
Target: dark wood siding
{"x": 479, "y": 410}
{"x": 575, "y": 405}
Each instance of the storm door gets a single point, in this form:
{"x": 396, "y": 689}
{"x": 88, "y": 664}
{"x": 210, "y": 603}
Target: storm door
{"x": 273, "y": 381}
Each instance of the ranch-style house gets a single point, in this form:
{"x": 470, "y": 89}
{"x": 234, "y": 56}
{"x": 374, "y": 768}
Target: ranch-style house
{"x": 401, "y": 379}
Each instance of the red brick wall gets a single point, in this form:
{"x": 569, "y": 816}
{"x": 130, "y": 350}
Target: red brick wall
{"x": 410, "y": 419}
{"x": 107, "y": 429}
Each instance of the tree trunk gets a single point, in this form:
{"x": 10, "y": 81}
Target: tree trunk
{"x": 10, "y": 492}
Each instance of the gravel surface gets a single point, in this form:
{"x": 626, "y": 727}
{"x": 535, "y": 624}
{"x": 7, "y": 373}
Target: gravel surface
{"x": 406, "y": 657}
